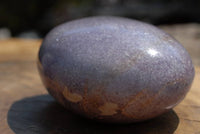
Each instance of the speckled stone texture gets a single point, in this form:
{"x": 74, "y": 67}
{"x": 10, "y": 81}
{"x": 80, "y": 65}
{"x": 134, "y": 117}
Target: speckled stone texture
{"x": 113, "y": 69}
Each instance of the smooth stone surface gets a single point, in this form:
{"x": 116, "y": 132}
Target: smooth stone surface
{"x": 113, "y": 69}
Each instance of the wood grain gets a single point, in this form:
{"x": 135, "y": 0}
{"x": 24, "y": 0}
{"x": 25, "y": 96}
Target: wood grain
{"x": 26, "y": 108}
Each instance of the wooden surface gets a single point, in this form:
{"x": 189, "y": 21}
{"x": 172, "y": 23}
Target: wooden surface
{"x": 26, "y": 108}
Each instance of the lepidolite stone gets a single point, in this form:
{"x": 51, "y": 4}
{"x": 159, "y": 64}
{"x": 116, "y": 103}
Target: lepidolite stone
{"x": 114, "y": 69}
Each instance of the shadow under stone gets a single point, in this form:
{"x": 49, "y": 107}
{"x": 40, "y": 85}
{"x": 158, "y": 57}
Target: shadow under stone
{"x": 43, "y": 115}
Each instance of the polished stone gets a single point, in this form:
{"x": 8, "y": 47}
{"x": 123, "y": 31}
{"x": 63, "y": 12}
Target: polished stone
{"x": 114, "y": 69}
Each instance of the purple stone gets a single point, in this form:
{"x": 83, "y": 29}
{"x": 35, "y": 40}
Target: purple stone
{"x": 114, "y": 69}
